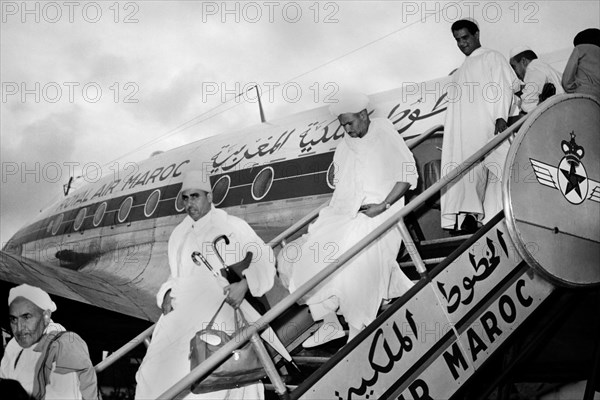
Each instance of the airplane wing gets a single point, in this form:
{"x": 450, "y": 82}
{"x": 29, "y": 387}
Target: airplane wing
{"x": 546, "y": 174}
{"x": 594, "y": 190}
{"x": 74, "y": 285}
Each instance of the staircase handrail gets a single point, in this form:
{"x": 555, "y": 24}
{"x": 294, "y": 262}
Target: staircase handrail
{"x": 126, "y": 348}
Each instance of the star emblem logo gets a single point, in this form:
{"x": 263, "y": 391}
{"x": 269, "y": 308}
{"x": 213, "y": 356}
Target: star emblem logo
{"x": 570, "y": 177}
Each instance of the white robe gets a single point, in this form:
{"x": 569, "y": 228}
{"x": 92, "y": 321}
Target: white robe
{"x": 481, "y": 91}
{"x": 537, "y": 74}
{"x": 366, "y": 171}
{"x": 19, "y": 364}
{"x": 196, "y": 296}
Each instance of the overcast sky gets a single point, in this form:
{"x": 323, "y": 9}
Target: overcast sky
{"x": 84, "y": 83}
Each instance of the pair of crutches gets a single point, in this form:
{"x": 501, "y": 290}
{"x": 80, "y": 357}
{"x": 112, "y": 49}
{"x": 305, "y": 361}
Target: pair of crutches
{"x": 233, "y": 274}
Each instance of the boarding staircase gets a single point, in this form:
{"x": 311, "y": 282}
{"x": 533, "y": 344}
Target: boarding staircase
{"x": 465, "y": 306}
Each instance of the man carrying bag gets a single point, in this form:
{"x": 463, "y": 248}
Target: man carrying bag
{"x": 191, "y": 296}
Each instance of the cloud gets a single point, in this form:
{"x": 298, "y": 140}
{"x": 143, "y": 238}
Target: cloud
{"x": 34, "y": 167}
{"x": 175, "y": 47}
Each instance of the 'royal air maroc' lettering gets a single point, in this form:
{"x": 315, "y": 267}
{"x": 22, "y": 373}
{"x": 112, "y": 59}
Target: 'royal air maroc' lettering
{"x": 418, "y": 390}
{"x": 380, "y": 345}
{"x": 454, "y": 358}
{"x": 506, "y": 311}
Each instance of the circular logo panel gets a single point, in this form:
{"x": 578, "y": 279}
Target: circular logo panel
{"x": 552, "y": 190}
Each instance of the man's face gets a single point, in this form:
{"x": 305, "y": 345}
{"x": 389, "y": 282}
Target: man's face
{"x": 196, "y": 202}
{"x": 518, "y": 67}
{"x": 26, "y": 322}
{"x": 466, "y": 42}
{"x": 355, "y": 124}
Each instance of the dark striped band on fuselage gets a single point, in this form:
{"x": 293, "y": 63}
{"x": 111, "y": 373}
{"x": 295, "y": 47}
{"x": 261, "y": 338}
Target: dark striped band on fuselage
{"x": 291, "y": 179}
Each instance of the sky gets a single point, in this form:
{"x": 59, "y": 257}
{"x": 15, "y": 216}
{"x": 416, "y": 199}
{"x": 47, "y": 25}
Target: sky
{"x": 90, "y": 86}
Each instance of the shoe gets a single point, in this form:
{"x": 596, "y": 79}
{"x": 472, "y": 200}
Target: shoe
{"x": 327, "y": 332}
{"x": 469, "y": 224}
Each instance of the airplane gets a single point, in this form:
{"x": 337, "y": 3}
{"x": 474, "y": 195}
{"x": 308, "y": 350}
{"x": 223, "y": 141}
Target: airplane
{"x": 105, "y": 243}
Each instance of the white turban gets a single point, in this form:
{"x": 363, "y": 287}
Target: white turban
{"x": 34, "y": 294}
{"x": 196, "y": 180}
{"x": 517, "y": 50}
{"x": 349, "y": 103}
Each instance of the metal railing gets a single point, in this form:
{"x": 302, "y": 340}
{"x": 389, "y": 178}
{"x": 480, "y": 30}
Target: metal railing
{"x": 241, "y": 338}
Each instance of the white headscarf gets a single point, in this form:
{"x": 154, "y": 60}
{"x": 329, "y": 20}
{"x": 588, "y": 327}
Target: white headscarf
{"x": 34, "y": 294}
{"x": 517, "y": 50}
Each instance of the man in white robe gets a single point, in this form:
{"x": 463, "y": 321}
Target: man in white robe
{"x": 534, "y": 73}
{"x": 374, "y": 169}
{"x": 479, "y": 101}
{"x": 192, "y": 294}
{"x": 47, "y": 365}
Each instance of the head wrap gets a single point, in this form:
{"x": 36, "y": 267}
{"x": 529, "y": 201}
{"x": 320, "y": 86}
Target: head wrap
{"x": 34, "y": 294}
{"x": 517, "y": 50}
{"x": 349, "y": 103}
{"x": 196, "y": 180}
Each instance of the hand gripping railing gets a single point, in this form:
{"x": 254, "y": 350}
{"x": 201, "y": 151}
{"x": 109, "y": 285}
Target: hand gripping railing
{"x": 241, "y": 338}
{"x": 280, "y": 240}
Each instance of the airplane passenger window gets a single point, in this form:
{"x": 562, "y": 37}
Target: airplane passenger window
{"x": 152, "y": 203}
{"x": 179, "y": 202}
{"x": 220, "y": 189}
{"x": 56, "y": 223}
{"x": 125, "y": 209}
{"x": 99, "y": 214}
{"x": 79, "y": 219}
{"x": 262, "y": 183}
{"x": 331, "y": 176}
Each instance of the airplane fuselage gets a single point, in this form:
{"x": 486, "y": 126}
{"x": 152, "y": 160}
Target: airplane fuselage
{"x": 106, "y": 242}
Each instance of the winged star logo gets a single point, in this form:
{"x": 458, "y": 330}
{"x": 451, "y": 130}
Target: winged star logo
{"x": 570, "y": 177}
